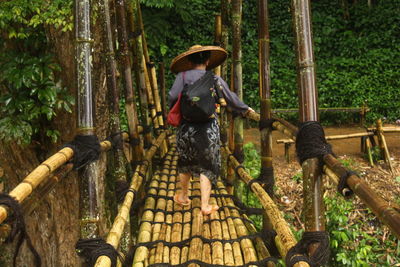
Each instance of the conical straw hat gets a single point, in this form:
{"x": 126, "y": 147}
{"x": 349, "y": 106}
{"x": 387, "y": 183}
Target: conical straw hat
{"x": 181, "y": 62}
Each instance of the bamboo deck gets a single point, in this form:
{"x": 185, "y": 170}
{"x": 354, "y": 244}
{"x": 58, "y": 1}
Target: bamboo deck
{"x": 172, "y": 234}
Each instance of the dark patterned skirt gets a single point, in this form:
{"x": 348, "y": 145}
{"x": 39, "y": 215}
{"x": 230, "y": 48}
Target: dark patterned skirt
{"x": 199, "y": 149}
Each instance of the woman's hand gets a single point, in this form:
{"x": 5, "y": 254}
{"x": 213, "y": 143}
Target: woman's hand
{"x": 249, "y": 110}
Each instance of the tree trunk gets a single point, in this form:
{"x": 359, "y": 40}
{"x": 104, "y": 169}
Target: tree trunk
{"x": 54, "y": 225}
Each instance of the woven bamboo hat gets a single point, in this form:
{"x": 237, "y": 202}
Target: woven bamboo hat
{"x": 181, "y": 62}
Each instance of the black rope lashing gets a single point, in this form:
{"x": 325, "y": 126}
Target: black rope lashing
{"x": 265, "y": 124}
{"x": 311, "y": 142}
{"x": 240, "y": 166}
{"x": 135, "y": 34}
{"x": 146, "y": 129}
{"x": 18, "y": 227}
{"x": 121, "y": 189}
{"x": 299, "y": 252}
{"x": 268, "y": 236}
{"x": 266, "y": 179}
{"x": 246, "y": 209}
{"x": 343, "y": 183}
{"x": 86, "y": 150}
{"x": 150, "y": 65}
{"x": 91, "y": 249}
{"x": 151, "y": 106}
{"x": 239, "y": 155}
{"x": 134, "y": 141}
{"x": 116, "y": 140}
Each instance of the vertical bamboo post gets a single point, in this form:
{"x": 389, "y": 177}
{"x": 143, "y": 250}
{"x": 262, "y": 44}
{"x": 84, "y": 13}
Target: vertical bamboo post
{"x": 127, "y": 80}
{"x": 136, "y": 44}
{"x": 111, "y": 70}
{"x": 217, "y": 38}
{"x": 230, "y": 177}
{"x": 89, "y": 202}
{"x": 237, "y": 72}
{"x": 223, "y": 116}
{"x": 308, "y": 102}
{"x": 119, "y": 171}
{"x": 225, "y": 4}
{"x": 368, "y": 148}
{"x": 151, "y": 73}
{"x": 265, "y": 90}
{"x": 265, "y": 101}
{"x": 161, "y": 77}
{"x": 383, "y": 145}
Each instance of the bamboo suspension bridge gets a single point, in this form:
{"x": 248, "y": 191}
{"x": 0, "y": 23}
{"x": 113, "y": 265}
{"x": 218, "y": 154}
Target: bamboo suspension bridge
{"x": 158, "y": 231}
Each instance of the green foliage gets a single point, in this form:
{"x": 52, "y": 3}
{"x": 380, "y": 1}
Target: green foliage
{"x": 350, "y": 244}
{"x": 357, "y": 59}
{"x": 21, "y": 19}
{"x": 30, "y": 92}
{"x": 30, "y": 96}
{"x": 252, "y": 166}
{"x": 298, "y": 177}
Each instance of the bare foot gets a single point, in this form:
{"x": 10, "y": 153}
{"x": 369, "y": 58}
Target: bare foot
{"x": 184, "y": 201}
{"x": 209, "y": 209}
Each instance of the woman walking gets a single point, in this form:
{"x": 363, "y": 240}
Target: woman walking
{"x": 198, "y": 144}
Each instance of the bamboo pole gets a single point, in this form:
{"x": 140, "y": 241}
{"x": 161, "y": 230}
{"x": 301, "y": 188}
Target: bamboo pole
{"x": 386, "y": 129}
{"x": 139, "y": 72}
{"x": 225, "y": 25}
{"x": 230, "y": 177}
{"x": 217, "y": 38}
{"x": 284, "y": 239}
{"x": 369, "y": 152}
{"x": 383, "y": 145}
{"x": 216, "y": 233}
{"x": 196, "y": 244}
{"x": 313, "y": 205}
{"x": 265, "y": 100}
{"x": 237, "y": 71}
{"x": 89, "y": 202}
{"x": 40, "y": 173}
{"x": 377, "y": 205}
{"x": 332, "y": 137}
{"x": 161, "y": 77}
{"x": 111, "y": 70}
{"x": 260, "y": 247}
{"x": 187, "y": 217}
{"x": 387, "y": 214}
{"x": 153, "y": 79}
{"x": 115, "y": 233}
{"x": 228, "y": 249}
{"x": 248, "y": 250}
{"x": 127, "y": 81}
{"x": 265, "y": 90}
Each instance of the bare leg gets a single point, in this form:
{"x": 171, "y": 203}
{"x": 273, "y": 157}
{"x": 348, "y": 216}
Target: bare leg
{"x": 205, "y": 188}
{"x": 183, "y": 197}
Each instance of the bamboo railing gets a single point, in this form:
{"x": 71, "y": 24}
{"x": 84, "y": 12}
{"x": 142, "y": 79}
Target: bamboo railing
{"x": 387, "y": 214}
{"x": 114, "y": 236}
{"x": 285, "y": 238}
{"x": 38, "y": 175}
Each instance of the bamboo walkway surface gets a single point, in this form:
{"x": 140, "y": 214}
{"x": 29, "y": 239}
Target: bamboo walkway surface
{"x": 171, "y": 234}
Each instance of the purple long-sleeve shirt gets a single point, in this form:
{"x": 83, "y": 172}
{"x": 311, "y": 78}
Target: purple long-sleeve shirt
{"x": 191, "y": 76}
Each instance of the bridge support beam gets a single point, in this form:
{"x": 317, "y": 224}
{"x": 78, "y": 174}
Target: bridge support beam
{"x": 89, "y": 197}
{"x": 313, "y": 206}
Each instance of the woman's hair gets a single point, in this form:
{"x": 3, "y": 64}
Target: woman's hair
{"x": 200, "y": 57}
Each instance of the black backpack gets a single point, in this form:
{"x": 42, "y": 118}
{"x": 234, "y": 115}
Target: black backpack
{"x": 198, "y": 99}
